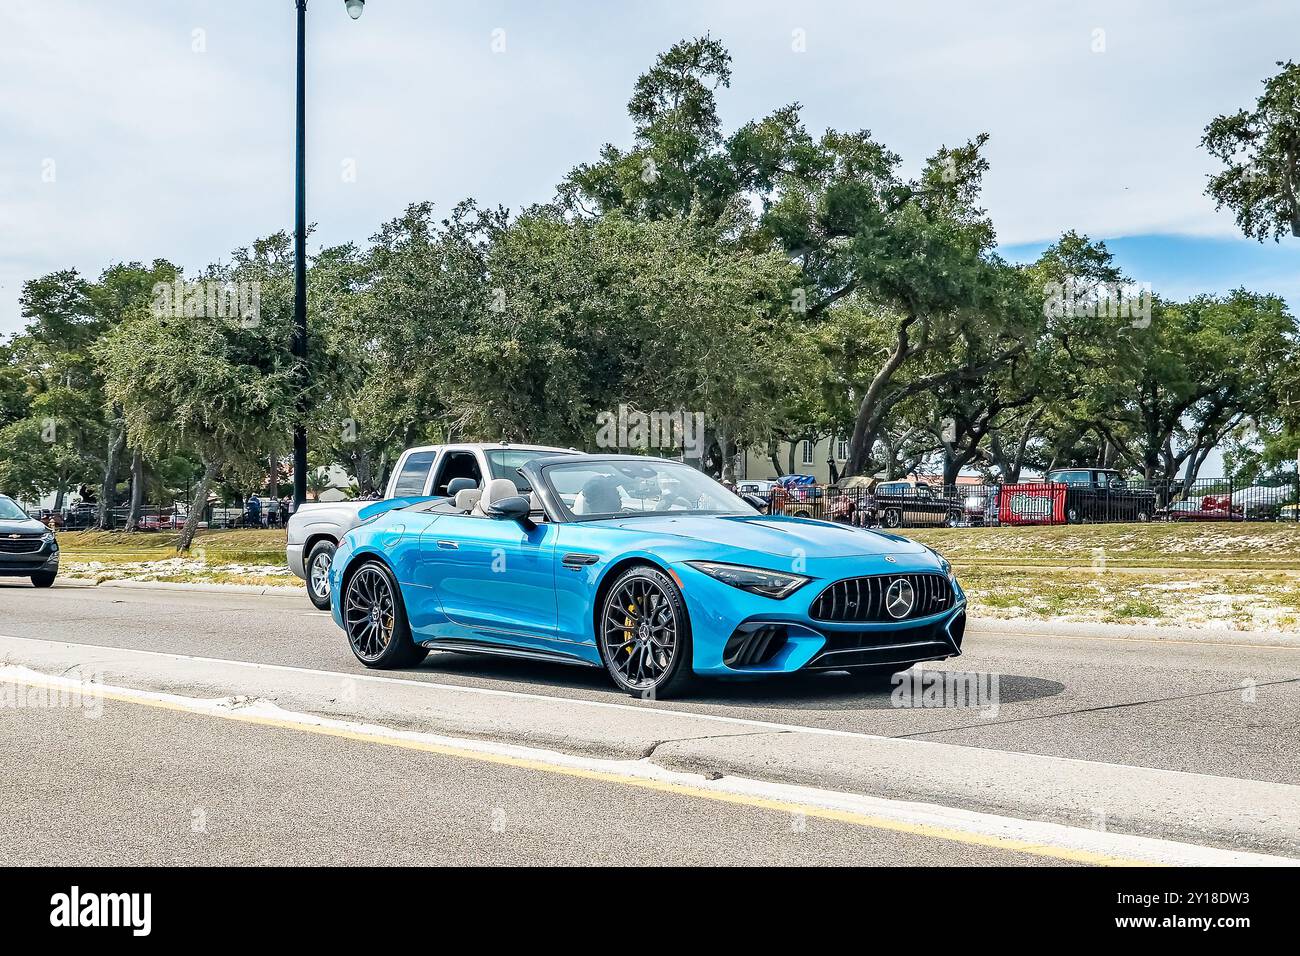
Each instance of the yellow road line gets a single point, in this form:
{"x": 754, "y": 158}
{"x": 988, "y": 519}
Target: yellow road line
{"x": 854, "y": 818}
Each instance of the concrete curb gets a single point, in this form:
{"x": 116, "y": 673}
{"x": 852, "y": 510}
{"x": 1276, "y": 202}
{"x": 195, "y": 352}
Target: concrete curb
{"x": 1131, "y": 632}
{"x": 1197, "y": 808}
{"x": 183, "y": 586}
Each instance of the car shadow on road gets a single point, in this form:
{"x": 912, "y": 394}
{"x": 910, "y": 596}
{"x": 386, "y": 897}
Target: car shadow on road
{"x": 822, "y": 690}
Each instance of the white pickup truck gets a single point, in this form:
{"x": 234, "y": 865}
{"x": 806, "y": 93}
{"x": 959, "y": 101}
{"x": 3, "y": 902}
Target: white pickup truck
{"x": 315, "y": 530}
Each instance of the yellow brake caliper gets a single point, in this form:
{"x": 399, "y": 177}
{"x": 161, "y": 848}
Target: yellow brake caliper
{"x": 627, "y": 632}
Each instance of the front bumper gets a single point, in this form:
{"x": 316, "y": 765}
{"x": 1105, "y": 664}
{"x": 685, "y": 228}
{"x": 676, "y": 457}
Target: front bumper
{"x": 24, "y": 564}
{"x": 294, "y": 557}
{"x": 734, "y": 632}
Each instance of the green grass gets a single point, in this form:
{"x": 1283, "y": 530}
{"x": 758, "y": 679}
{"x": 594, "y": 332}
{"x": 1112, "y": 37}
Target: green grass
{"x": 1265, "y": 545}
{"x": 242, "y": 546}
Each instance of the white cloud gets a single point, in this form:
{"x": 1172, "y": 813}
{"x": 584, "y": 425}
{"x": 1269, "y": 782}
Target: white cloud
{"x": 162, "y": 151}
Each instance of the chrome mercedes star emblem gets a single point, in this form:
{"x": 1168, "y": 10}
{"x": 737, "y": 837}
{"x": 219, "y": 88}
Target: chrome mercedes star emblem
{"x": 899, "y": 599}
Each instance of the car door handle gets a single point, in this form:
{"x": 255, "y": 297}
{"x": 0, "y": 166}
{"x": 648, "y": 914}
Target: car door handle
{"x": 575, "y": 561}
{"x": 448, "y": 545}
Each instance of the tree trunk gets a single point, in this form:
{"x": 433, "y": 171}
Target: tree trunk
{"x": 198, "y": 505}
{"x": 116, "y": 444}
{"x": 137, "y": 490}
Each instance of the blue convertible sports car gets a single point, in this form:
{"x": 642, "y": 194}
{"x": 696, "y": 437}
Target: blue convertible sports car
{"x": 642, "y": 566}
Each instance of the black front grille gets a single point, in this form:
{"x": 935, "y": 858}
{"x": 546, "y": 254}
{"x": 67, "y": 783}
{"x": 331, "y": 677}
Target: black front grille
{"x": 864, "y": 599}
{"x": 22, "y": 544}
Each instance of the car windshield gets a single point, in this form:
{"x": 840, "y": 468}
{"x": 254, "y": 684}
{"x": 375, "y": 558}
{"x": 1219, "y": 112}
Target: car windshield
{"x": 605, "y": 489}
{"x": 506, "y": 462}
{"x": 10, "y": 511}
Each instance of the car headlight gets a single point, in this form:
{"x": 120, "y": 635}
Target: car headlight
{"x": 49, "y": 539}
{"x": 773, "y": 584}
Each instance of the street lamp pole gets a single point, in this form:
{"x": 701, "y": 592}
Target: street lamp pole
{"x": 298, "y": 345}
{"x": 299, "y": 342}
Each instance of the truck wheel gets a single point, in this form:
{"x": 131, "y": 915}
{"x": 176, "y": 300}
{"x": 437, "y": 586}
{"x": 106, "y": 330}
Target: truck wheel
{"x": 1143, "y": 517}
{"x": 319, "y": 560}
{"x": 1072, "y": 516}
{"x": 892, "y": 518}
{"x": 953, "y": 519}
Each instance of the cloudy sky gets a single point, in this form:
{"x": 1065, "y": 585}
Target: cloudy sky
{"x": 164, "y": 127}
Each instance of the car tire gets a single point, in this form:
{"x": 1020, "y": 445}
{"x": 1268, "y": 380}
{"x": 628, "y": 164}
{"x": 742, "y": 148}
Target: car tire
{"x": 892, "y": 518}
{"x": 953, "y": 520}
{"x": 318, "y": 588}
{"x": 1072, "y": 516}
{"x": 1143, "y": 517}
{"x": 44, "y": 579}
{"x": 636, "y": 590}
{"x": 381, "y": 640}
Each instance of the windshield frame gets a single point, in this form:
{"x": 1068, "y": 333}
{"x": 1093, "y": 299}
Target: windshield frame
{"x": 558, "y": 511}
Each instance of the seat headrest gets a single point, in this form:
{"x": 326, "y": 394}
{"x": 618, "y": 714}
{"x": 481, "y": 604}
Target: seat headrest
{"x": 457, "y": 485}
{"x": 467, "y": 498}
{"x": 497, "y": 489}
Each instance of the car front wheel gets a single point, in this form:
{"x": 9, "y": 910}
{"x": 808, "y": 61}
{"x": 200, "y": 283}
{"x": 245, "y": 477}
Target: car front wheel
{"x": 375, "y": 619}
{"x": 45, "y": 579}
{"x": 319, "y": 560}
{"x": 644, "y": 633}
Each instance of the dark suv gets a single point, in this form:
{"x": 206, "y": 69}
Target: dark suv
{"x": 1102, "y": 494}
{"x": 27, "y": 547}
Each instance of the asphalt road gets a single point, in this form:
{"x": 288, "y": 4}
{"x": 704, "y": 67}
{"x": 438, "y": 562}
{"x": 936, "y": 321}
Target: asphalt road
{"x": 144, "y": 786}
{"x": 1227, "y": 710}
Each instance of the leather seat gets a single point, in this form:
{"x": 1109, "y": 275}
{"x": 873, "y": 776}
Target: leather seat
{"x": 467, "y": 499}
{"x": 496, "y": 489}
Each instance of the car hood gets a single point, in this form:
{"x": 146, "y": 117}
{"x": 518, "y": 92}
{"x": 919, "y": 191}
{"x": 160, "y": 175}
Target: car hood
{"x": 20, "y": 526}
{"x": 775, "y": 535}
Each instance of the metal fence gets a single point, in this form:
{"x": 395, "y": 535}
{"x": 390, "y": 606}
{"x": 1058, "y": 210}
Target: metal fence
{"x": 911, "y": 505}
{"x": 160, "y": 517}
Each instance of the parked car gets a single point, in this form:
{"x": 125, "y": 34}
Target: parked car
{"x": 1261, "y": 502}
{"x": 28, "y": 549}
{"x": 1102, "y": 494}
{"x": 980, "y": 505}
{"x": 902, "y": 502}
{"x": 1201, "y": 508}
{"x": 850, "y": 501}
{"x": 752, "y": 486}
{"x": 315, "y": 530}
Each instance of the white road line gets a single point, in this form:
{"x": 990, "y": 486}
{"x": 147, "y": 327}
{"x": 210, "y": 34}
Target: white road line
{"x": 646, "y": 708}
{"x": 1058, "y": 841}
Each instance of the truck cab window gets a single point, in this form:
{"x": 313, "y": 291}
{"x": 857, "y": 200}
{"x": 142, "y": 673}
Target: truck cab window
{"x": 414, "y": 473}
{"x": 456, "y": 464}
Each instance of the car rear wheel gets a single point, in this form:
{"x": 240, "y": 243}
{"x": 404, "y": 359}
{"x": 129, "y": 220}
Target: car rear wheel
{"x": 319, "y": 560}
{"x": 953, "y": 519}
{"x": 892, "y": 518}
{"x": 644, "y": 633}
{"x": 375, "y": 619}
{"x": 1143, "y": 517}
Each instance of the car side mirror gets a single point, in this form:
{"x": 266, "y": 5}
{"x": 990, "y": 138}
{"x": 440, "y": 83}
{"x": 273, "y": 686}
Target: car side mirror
{"x": 514, "y": 508}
